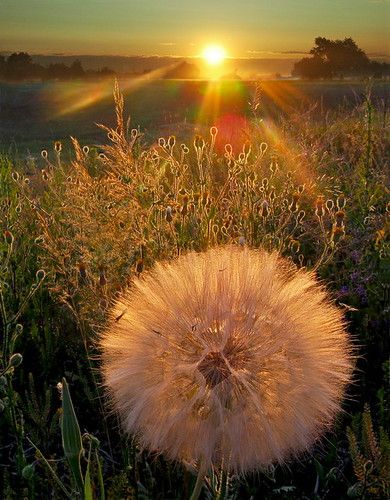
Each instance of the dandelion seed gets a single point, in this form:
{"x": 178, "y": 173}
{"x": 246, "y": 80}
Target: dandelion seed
{"x": 232, "y": 357}
{"x": 44, "y": 154}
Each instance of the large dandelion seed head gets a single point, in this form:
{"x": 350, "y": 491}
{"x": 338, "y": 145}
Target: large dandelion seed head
{"x": 230, "y": 356}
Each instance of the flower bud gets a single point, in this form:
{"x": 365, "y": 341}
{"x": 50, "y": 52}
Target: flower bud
{"x": 9, "y": 237}
{"x": 28, "y": 472}
{"x": 15, "y": 360}
{"x": 40, "y": 274}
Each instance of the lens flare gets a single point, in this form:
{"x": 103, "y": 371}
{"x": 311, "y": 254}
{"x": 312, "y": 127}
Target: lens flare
{"x": 214, "y": 54}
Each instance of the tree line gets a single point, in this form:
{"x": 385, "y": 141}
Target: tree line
{"x": 338, "y": 59}
{"x": 20, "y": 66}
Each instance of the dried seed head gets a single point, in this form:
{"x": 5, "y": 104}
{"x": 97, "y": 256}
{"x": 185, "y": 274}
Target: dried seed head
{"x": 82, "y": 267}
{"x": 232, "y": 356}
{"x": 139, "y": 266}
{"x": 168, "y": 214}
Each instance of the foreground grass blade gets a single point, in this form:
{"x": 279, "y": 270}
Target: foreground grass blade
{"x": 40, "y": 457}
{"x": 87, "y": 480}
{"x": 71, "y": 436}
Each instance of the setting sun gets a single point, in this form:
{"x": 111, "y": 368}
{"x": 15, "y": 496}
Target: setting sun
{"x": 214, "y": 54}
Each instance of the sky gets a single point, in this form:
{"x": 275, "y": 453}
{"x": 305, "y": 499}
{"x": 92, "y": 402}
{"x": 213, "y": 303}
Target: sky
{"x": 246, "y": 28}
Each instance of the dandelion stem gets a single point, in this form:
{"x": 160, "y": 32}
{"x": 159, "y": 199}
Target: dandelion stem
{"x": 199, "y": 482}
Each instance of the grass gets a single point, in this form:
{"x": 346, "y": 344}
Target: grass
{"x": 76, "y": 232}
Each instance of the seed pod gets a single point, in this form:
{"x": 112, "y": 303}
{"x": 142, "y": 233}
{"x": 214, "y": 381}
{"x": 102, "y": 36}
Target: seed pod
{"x": 168, "y": 214}
{"x": 213, "y": 131}
{"x": 139, "y": 267}
{"x": 28, "y": 472}
{"x": 229, "y": 149}
{"x": 15, "y": 360}
{"x": 40, "y": 274}
{"x": 9, "y": 237}
{"x": 341, "y": 201}
{"x": 329, "y": 205}
{"x": 171, "y": 141}
{"x": 82, "y": 269}
{"x": 338, "y": 233}
{"x": 340, "y": 216}
{"x": 320, "y": 211}
{"x": 102, "y": 279}
{"x": 264, "y": 209}
{"x": 295, "y": 246}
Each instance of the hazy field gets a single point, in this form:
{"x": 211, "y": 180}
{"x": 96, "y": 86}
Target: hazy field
{"x": 33, "y": 115}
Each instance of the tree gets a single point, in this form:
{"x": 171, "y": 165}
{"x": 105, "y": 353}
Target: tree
{"x": 76, "y": 69}
{"x": 335, "y": 59}
{"x": 19, "y": 65}
{"x": 2, "y": 66}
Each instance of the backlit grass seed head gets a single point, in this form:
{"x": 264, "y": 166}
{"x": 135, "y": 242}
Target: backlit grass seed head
{"x": 230, "y": 356}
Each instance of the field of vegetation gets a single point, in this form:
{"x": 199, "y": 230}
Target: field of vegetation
{"x": 279, "y": 170}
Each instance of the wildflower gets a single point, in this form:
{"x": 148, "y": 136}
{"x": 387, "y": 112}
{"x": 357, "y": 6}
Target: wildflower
{"x": 231, "y": 357}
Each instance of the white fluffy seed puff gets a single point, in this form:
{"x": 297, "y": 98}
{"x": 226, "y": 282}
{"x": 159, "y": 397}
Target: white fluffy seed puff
{"x": 229, "y": 356}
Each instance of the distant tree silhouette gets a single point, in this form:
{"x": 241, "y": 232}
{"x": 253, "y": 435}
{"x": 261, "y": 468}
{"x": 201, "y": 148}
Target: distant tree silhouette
{"x": 336, "y": 59}
{"x": 2, "y": 66}
{"x": 20, "y": 66}
{"x": 76, "y": 69}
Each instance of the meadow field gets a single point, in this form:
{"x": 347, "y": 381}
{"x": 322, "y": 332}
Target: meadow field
{"x": 34, "y": 115}
{"x": 296, "y": 167}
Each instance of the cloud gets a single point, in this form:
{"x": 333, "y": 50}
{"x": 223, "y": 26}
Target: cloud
{"x": 167, "y": 44}
{"x": 273, "y": 53}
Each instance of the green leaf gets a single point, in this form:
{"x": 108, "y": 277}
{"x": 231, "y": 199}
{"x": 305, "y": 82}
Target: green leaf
{"x": 71, "y": 436}
{"x": 87, "y": 480}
